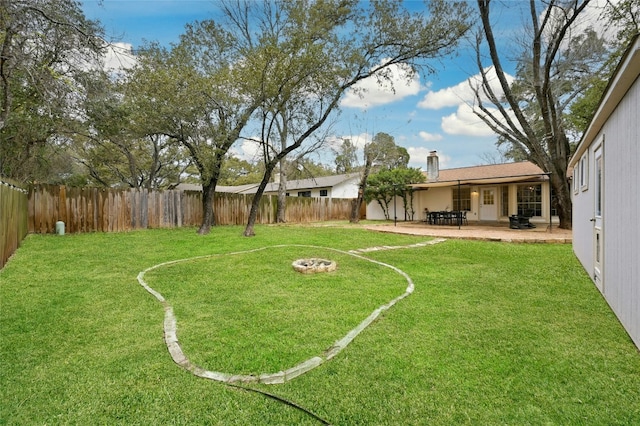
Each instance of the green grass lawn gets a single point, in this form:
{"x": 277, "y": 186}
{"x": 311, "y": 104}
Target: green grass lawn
{"x": 495, "y": 333}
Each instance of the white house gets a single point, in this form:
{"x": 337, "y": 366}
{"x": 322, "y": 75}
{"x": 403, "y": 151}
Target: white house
{"x": 606, "y": 181}
{"x": 488, "y": 193}
{"x": 336, "y": 186}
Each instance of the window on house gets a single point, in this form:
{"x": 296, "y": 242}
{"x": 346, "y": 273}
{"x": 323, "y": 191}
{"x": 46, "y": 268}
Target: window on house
{"x": 304, "y": 194}
{"x": 488, "y": 197}
{"x": 504, "y": 200}
{"x": 584, "y": 175}
{"x": 576, "y": 178}
{"x": 324, "y": 192}
{"x": 464, "y": 199}
{"x": 530, "y": 200}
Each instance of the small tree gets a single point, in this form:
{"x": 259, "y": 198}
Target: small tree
{"x": 380, "y": 187}
{"x": 404, "y": 177}
{"x": 387, "y": 184}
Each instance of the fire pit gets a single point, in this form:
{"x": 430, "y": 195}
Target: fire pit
{"x": 313, "y": 265}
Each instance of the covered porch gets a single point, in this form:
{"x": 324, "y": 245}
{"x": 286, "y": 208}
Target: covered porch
{"x": 508, "y": 193}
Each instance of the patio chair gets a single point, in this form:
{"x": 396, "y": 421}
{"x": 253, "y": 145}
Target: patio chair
{"x": 524, "y": 219}
{"x": 464, "y": 218}
{"x": 517, "y": 221}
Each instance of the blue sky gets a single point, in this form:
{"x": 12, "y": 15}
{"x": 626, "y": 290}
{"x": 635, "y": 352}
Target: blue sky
{"x": 428, "y": 114}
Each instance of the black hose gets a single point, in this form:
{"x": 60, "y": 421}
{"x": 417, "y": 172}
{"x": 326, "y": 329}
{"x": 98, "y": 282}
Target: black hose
{"x": 280, "y": 399}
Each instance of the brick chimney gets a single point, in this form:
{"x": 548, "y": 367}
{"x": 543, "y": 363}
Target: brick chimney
{"x": 433, "y": 169}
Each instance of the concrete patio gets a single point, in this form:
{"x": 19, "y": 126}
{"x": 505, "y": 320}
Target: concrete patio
{"x": 483, "y": 232}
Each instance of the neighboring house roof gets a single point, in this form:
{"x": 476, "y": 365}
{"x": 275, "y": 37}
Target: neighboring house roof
{"x": 219, "y": 188}
{"x": 487, "y": 174}
{"x": 625, "y": 75}
{"x": 292, "y": 185}
{"x": 188, "y": 187}
{"x": 319, "y": 182}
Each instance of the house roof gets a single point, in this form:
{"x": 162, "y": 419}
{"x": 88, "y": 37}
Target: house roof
{"x": 292, "y": 185}
{"x": 626, "y": 74}
{"x": 487, "y": 174}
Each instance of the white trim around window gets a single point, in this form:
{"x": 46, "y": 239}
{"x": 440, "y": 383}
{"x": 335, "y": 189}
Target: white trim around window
{"x": 584, "y": 172}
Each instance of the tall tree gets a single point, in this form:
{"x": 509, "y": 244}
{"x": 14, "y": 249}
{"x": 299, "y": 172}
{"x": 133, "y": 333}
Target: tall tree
{"x": 112, "y": 141}
{"x": 331, "y": 45}
{"x": 381, "y": 153}
{"x": 555, "y": 65}
{"x": 201, "y": 93}
{"x": 346, "y": 157}
{"x": 623, "y": 17}
{"x": 45, "y": 46}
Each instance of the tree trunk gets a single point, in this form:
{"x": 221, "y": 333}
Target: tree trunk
{"x": 253, "y": 214}
{"x": 208, "y": 217}
{"x": 282, "y": 195}
{"x": 562, "y": 191}
{"x": 355, "y": 208}
{"x": 255, "y": 204}
{"x": 355, "y": 205}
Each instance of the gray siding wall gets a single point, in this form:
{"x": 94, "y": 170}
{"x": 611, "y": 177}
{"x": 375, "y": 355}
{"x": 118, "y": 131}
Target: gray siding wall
{"x": 621, "y": 213}
{"x": 622, "y": 207}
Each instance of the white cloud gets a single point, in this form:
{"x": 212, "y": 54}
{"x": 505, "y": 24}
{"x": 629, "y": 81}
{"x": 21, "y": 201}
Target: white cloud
{"x": 380, "y": 91}
{"x": 450, "y": 96}
{"x": 429, "y": 137}
{"x": 465, "y": 122}
{"x": 463, "y": 92}
{"x": 359, "y": 140}
{"x": 247, "y": 150}
{"x": 119, "y": 56}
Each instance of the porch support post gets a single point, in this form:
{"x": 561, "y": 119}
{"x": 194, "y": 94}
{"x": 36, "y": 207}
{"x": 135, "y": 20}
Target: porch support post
{"x": 550, "y": 206}
{"x": 395, "y": 214}
{"x": 459, "y": 218}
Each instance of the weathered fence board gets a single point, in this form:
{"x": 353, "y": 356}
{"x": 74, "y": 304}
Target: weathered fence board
{"x": 13, "y": 218}
{"x": 116, "y": 210}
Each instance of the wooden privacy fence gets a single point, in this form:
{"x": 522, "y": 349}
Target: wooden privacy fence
{"x": 13, "y": 218}
{"x": 114, "y": 210}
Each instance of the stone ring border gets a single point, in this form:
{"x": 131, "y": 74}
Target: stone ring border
{"x": 178, "y": 356}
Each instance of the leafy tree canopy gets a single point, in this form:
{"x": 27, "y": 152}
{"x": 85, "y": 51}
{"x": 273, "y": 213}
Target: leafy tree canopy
{"x": 46, "y": 46}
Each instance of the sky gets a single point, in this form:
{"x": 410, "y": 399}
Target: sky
{"x": 431, "y": 113}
